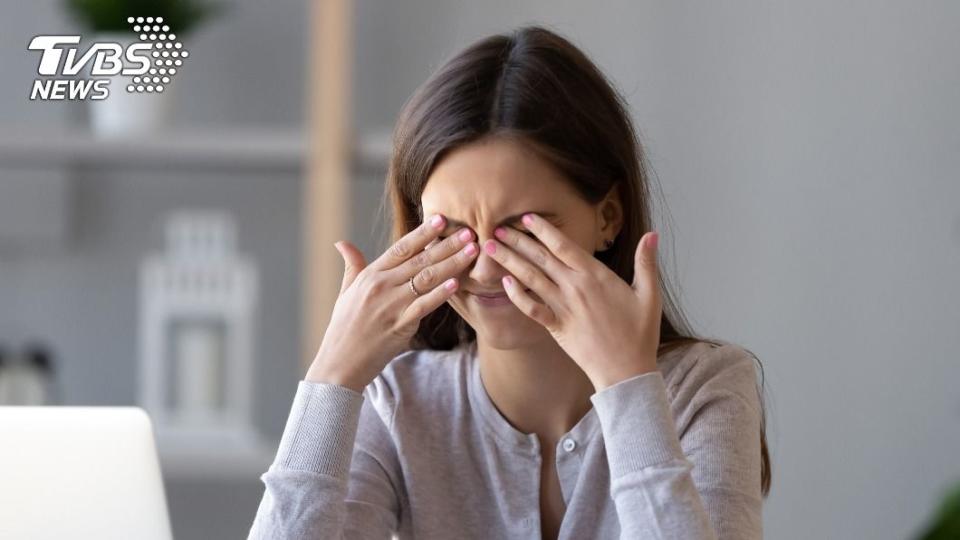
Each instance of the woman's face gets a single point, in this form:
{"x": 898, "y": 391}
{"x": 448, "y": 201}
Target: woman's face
{"x": 492, "y": 182}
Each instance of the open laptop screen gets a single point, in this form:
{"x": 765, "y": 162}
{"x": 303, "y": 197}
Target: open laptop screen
{"x": 80, "y": 472}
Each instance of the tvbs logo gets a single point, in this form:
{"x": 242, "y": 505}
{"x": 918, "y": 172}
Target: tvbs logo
{"x": 152, "y": 62}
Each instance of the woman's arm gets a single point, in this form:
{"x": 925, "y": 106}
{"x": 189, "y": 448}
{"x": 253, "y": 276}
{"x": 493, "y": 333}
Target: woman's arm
{"x": 336, "y": 473}
{"x": 703, "y": 484}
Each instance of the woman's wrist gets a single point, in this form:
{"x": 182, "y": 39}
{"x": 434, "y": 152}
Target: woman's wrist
{"x": 323, "y": 374}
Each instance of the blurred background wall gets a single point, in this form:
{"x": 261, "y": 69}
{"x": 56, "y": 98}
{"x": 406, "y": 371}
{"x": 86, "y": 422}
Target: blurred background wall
{"x": 807, "y": 153}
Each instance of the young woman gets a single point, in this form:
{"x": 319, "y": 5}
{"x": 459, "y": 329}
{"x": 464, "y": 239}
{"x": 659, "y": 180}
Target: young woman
{"x": 506, "y": 368}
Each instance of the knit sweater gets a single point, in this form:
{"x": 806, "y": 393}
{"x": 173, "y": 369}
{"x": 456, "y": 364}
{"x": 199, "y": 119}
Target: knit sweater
{"x": 424, "y": 453}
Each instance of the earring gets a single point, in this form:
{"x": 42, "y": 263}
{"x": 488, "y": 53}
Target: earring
{"x": 606, "y": 244}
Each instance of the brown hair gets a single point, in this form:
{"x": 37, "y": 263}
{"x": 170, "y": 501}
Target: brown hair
{"x": 537, "y": 88}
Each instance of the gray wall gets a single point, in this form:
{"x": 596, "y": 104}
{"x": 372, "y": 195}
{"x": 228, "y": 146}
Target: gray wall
{"x": 81, "y": 297}
{"x": 807, "y": 154}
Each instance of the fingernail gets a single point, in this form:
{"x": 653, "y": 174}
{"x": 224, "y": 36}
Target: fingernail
{"x": 528, "y": 219}
{"x": 436, "y": 220}
{"x": 490, "y": 246}
{"x": 500, "y": 232}
{"x": 470, "y": 249}
{"x": 450, "y": 284}
{"x": 652, "y": 242}
{"x": 507, "y": 281}
{"x": 465, "y": 235}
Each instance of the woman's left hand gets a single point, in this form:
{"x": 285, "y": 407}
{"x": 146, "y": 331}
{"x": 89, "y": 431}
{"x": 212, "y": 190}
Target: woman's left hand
{"x": 611, "y": 329}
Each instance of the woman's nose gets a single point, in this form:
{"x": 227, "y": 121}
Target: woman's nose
{"x": 484, "y": 265}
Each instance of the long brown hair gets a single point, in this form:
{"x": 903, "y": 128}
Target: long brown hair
{"x": 537, "y": 88}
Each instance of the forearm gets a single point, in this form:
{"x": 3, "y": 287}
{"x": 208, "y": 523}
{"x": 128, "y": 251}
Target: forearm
{"x": 306, "y": 485}
{"x": 650, "y": 477}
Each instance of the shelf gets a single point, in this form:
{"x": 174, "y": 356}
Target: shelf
{"x": 213, "y": 453}
{"x": 231, "y": 465}
{"x": 242, "y": 148}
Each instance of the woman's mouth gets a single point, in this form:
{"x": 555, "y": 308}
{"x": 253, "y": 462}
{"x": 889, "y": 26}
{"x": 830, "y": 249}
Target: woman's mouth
{"x": 494, "y": 300}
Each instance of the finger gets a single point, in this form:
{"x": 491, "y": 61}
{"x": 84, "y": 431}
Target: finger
{"x": 427, "y": 303}
{"x": 411, "y": 243}
{"x": 432, "y": 275}
{"x": 430, "y": 256}
{"x": 534, "y": 251}
{"x": 353, "y": 263}
{"x": 525, "y": 303}
{"x": 645, "y": 262}
{"x": 565, "y": 249}
{"x": 528, "y": 274}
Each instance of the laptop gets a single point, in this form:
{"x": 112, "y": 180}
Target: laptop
{"x": 80, "y": 473}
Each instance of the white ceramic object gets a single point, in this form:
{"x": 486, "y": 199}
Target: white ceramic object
{"x": 125, "y": 113}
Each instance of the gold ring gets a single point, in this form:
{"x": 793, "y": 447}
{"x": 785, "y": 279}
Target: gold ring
{"x": 414, "y": 289}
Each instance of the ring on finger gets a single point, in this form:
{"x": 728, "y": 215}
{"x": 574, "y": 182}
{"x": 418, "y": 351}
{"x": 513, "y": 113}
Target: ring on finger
{"x": 412, "y": 287}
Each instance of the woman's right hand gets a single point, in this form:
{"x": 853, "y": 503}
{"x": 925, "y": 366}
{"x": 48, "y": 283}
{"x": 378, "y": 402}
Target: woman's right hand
{"x": 376, "y": 313}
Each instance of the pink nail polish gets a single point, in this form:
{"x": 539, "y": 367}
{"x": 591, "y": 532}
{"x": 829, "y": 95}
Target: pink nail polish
{"x": 500, "y": 232}
{"x": 490, "y": 247}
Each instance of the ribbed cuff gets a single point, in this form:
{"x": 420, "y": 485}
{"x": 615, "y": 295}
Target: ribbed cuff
{"x": 638, "y": 427}
{"x": 321, "y": 429}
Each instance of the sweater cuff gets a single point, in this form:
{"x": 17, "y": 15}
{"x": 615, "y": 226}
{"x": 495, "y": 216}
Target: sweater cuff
{"x": 638, "y": 427}
{"x": 321, "y": 429}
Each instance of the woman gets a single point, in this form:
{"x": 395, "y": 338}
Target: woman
{"x": 527, "y": 384}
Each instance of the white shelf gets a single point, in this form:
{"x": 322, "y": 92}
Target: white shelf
{"x": 227, "y": 147}
{"x": 216, "y": 465}
{"x": 213, "y": 453}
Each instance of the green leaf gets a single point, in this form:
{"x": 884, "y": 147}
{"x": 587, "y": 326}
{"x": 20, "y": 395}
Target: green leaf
{"x": 183, "y": 16}
{"x": 945, "y": 524}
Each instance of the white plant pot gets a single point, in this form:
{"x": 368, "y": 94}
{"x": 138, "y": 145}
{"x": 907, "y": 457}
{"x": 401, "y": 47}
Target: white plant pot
{"x": 125, "y": 113}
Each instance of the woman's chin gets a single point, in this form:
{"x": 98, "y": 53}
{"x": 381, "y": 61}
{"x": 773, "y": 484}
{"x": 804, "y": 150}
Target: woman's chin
{"x": 508, "y": 329}
{"x": 504, "y": 326}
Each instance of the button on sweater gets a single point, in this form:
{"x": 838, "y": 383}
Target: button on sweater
{"x": 424, "y": 453}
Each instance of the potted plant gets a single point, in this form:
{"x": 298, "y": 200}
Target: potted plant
{"x": 945, "y": 522}
{"x": 137, "y": 105}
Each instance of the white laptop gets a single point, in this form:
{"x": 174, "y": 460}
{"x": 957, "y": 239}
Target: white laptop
{"x": 80, "y": 473}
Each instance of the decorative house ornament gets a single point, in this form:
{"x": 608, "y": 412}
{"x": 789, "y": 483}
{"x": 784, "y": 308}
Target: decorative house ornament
{"x": 197, "y": 302}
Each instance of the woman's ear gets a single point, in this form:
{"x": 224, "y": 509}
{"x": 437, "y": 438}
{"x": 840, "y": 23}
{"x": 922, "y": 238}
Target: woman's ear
{"x": 609, "y": 218}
